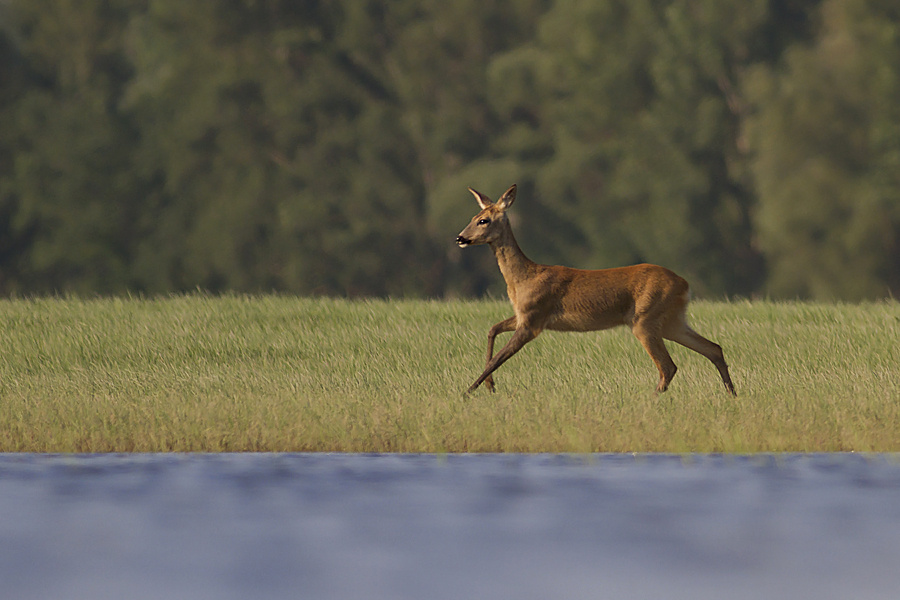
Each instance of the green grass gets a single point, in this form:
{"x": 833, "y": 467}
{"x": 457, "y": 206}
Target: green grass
{"x": 272, "y": 373}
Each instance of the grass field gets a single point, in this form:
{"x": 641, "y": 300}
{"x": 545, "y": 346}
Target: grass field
{"x": 270, "y": 373}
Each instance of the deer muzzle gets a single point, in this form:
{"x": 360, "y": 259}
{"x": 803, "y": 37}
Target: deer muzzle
{"x": 462, "y": 242}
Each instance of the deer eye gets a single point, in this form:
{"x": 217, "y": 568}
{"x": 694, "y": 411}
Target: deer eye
{"x": 484, "y": 221}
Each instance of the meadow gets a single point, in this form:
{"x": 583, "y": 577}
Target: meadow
{"x": 275, "y": 373}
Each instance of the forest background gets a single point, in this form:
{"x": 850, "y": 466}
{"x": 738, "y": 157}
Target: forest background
{"x": 324, "y": 147}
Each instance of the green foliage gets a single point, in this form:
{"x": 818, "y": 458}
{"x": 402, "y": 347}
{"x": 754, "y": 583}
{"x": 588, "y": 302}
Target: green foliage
{"x": 828, "y": 144}
{"x": 325, "y": 147}
{"x": 638, "y": 105}
{"x": 68, "y": 187}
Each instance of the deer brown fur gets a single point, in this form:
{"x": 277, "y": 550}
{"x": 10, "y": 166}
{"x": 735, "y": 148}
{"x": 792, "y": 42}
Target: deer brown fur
{"x": 649, "y": 299}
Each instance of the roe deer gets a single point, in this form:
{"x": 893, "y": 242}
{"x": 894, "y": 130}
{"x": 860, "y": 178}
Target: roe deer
{"x": 650, "y": 299}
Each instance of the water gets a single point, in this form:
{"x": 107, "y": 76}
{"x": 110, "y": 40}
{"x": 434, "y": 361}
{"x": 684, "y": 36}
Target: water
{"x": 446, "y": 527}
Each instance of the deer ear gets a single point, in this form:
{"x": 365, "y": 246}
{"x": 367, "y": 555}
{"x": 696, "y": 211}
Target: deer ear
{"x": 483, "y": 201}
{"x": 507, "y": 198}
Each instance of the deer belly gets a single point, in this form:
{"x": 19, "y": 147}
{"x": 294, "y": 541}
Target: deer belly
{"x": 584, "y": 322}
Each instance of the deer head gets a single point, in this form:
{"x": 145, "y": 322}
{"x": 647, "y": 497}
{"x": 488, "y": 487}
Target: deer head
{"x": 489, "y": 224}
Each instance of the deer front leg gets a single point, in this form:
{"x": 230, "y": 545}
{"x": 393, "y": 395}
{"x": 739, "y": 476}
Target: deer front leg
{"x": 522, "y": 336}
{"x": 501, "y": 327}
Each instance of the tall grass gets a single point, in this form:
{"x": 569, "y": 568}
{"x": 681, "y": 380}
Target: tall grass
{"x": 271, "y": 373}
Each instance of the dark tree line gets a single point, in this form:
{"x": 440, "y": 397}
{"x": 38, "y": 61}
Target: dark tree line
{"x": 325, "y": 147}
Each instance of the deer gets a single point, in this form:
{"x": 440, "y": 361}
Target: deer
{"x": 650, "y": 299}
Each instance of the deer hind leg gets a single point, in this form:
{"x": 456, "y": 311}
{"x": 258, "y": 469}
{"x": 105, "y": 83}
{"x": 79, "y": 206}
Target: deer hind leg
{"x": 689, "y": 338}
{"x": 652, "y": 341}
{"x": 501, "y": 327}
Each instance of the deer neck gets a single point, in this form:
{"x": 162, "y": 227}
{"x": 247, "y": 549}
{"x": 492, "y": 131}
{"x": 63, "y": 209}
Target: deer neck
{"x": 513, "y": 263}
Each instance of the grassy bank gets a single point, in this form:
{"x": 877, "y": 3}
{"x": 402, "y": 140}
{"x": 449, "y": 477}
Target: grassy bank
{"x": 285, "y": 374}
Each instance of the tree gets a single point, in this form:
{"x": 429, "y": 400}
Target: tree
{"x": 281, "y": 160}
{"x": 826, "y": 140}
{"x": 68, "y": 191}
{"x": 628, "y": 115}
{"x": 325, "y": 146}
{"x": 682, "y": 170}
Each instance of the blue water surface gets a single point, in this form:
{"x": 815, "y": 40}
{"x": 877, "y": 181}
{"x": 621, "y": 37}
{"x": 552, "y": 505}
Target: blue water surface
{"x": 345, "y": 526}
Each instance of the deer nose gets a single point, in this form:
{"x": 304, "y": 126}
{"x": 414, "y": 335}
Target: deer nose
{"x": 461, "y": 241}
